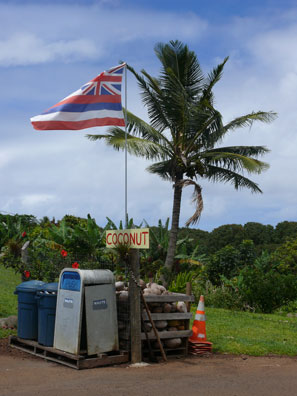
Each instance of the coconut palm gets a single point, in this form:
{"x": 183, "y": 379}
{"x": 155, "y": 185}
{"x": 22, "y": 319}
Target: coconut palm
{"x": 184, "y": 132}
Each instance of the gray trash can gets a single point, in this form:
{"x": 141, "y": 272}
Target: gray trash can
{"x": 47, "y": 300}
{"x": 27, "y": 309}
{"x": 86, "y": 315}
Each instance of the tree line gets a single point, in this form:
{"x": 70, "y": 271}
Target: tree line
{"x": 264, "y": 236}
{"x": 251, "y": 266}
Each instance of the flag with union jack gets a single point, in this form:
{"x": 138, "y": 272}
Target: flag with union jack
{"x": 96, "y": 103}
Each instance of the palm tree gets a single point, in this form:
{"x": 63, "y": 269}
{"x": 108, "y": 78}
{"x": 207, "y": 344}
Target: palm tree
{"x": 184, "y": 132}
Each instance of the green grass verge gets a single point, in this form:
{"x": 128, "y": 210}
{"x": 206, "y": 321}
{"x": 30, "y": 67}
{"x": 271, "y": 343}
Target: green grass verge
{"x": 251, "y": 334}
{"x": 4, "y": 333}
{"x": 8, "y": 282}
{"x": 8, "y": 301}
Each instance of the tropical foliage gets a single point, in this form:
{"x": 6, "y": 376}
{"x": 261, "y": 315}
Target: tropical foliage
{"x": 243, "y": 274}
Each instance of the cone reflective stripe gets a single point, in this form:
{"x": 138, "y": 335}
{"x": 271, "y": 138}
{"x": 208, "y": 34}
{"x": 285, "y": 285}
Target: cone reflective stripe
{"x": 198, "y": 328}
{"x": 199, "y": 316}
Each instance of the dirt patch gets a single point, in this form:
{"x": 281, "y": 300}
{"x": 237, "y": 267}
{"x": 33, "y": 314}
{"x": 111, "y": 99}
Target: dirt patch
{"x": 7, "y": 350}
{"x": 22, "y": 374}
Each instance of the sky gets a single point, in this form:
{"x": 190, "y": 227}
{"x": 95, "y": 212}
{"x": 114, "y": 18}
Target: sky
{"x": 49, "y": 49}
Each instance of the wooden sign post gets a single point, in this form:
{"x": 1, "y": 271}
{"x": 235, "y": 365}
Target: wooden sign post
{"x": 136, "y": 239}
{"x": 135, "y": 308}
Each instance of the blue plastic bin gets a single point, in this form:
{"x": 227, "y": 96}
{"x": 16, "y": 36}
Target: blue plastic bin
{"x": 47, "y": 301}
{"x": 27, "y": 309}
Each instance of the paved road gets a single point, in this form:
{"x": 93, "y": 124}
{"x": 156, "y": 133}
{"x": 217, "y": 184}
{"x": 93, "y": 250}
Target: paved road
{"x": 23, "y": 375}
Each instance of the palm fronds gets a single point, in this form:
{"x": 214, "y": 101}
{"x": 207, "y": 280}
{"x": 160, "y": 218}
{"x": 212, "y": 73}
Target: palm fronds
{"x": 248, "y": 120}
{"x": 234, "y": 161}
{"x": 197, "y": 200}
{"x": 217, "y": 174}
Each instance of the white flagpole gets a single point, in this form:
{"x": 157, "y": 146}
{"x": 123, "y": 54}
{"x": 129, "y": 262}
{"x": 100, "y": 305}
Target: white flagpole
{"x": 126, "y": 178}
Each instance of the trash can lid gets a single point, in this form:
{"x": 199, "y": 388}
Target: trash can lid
{"x": 49, "y": 287}
{"x": 29, "y": 286}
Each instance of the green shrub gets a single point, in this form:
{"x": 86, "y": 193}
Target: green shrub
{"x": 223, "y": 262}
{"x": 247, "y": 252}
{"x": 178, "y": 285}
{"x": 266, "y": 291}
{"x": 82, "y": 239}
{"x": 11, "y": 256}
{"x": 222, "y": 297}
{"x": 290, "y": 307}
{"x": 228, "y": 261}
{"x": 285, "y": 257}
{"x": 257, "y": 287}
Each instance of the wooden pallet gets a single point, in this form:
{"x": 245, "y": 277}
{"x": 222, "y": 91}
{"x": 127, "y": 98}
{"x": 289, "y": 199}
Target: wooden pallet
{"x": 169, "y": 298}
{"x": 170, "y": 353}
{"x": 74, "y": 361}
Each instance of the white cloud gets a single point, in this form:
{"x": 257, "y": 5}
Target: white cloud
{"x": 28, "y": 49}
{"x": 4, "y": 159}
{"x": 38, "y": 34}
{"x": 276, "y": 48}
{"x": 288, "y": 85}
{"x": 30, "y": 201}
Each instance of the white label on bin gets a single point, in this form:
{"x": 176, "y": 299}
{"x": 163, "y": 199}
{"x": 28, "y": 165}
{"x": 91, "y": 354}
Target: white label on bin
{"x": 68, "y": 303}
{"x": 100, "y": 304}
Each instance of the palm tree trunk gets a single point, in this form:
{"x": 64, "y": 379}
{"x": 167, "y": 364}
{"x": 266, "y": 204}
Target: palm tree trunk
{"x": 174, "y": 225}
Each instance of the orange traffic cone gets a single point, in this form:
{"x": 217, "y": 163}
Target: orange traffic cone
{"x": 198, "y": 343}
{"x": 198, "y": 328}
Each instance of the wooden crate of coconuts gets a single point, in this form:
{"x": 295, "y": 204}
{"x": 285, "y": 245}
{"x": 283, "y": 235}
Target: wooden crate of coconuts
{"x": 169, "y": 313}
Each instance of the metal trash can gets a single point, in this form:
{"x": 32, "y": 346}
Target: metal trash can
{"x": 86, "y": 315}
{"x": 27, "y": 309}
{"x": 47, "y": 300}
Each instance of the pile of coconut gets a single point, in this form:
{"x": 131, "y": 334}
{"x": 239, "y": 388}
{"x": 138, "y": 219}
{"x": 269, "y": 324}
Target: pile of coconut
{"x": 147, "y": 288}
{"x": 157, "y": 307}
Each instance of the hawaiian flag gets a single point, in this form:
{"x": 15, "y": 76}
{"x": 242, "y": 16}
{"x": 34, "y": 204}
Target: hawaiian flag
{"x": 96, "y": 103}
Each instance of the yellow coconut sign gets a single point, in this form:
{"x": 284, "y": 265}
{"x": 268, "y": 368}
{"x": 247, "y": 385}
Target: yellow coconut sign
{"x": 136, "y": 238}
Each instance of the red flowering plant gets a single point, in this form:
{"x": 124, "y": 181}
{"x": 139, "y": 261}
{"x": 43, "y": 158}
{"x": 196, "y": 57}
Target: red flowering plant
{"x": 47, "y": 259}
{"x": 27, "y": 274}
{"x": 75, "y": 265}
{"x": 64, "y": 253}
{"x": 24, "y": 234}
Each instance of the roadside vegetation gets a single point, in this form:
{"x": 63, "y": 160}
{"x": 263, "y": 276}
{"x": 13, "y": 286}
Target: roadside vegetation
{"x": 8, "y": 301}
{"x": 247, "y": 268}
{"x": 230, "y": 331}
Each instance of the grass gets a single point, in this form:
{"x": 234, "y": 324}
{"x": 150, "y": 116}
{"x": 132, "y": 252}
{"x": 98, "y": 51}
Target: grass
{"x": 251, "y": 334}
{"x": 8, "y": 301}
{"x": 8, "y": 282}
{"x": 230, "y": 331}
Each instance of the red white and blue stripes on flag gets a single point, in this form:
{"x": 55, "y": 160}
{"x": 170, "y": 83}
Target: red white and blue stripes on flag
{"x": 96, "y": 103}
